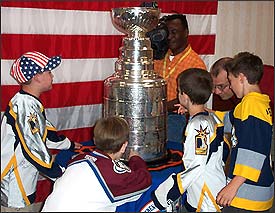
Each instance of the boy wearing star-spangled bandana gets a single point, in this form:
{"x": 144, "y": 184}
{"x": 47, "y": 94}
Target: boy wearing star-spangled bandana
{"x": 205, "y": 150}
{"x": 27, "y": 135}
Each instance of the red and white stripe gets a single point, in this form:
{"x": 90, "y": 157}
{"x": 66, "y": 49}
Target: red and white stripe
{"x": 81, "y": 32}
{"x": 17, "y": 73}
{"x": 39, "y": 58}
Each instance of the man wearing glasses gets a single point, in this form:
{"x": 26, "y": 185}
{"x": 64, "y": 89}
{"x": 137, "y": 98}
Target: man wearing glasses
{"x": 223, "y": 97}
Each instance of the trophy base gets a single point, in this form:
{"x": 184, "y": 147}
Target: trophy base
{"x": 172, "y": 158}
{"x": 168, "y": 159}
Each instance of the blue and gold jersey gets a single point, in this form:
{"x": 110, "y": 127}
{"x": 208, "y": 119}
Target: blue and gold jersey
{"x": 250, "y": 155}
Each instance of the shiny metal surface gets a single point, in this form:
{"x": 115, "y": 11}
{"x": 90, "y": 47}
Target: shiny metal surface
{"x": 134, "y": 91}
{"x": 135, "y": 21}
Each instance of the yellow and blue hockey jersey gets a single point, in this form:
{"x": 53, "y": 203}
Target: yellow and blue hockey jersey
{"x": 250, "y": 155}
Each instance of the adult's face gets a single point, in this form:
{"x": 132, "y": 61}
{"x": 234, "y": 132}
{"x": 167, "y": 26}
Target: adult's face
{"x": 222, "y": 86}
{"x": 177, "y": 39}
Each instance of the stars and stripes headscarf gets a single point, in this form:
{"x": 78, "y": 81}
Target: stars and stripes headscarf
{"x": 31, "y": 63}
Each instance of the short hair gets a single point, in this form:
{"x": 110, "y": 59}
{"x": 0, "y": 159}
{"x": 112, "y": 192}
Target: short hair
{"x": 196, "y": 83}
{"x": 247, "y": 63}
{"x": 111, "y": 133}
{"x": 181, "y": 17}
{"x": 219, "y": 65}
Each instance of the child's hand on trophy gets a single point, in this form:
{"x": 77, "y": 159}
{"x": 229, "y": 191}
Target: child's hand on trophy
{"x": 133, "y": 153}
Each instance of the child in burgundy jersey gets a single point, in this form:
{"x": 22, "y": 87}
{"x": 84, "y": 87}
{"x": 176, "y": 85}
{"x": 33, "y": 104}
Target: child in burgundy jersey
{"x": 99, "y": 181}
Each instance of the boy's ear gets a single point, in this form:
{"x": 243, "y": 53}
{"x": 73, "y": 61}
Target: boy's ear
{"x": 36, "y": 77}
{"x": 123, "y": 147}
{"x": 242, "y": 77}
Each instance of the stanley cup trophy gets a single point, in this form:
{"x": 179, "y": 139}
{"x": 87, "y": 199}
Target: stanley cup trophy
{"x": 134, "y": 91}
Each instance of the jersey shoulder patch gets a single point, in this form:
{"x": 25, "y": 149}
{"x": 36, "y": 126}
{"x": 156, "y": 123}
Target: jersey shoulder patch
{"x": 119, "y": 167}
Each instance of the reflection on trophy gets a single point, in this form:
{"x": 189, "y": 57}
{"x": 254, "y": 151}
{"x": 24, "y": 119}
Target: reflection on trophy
{"x": 134, "y": 91}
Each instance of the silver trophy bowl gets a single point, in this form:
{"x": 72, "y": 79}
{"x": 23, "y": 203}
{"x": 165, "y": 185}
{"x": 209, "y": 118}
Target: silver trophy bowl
{"x": 135, "y": 21}
{"x": 134, "y": 91}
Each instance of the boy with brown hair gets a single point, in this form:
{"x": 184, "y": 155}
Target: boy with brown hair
{"x": 99, "y": 180}
{"x": 250, "y": 181}
{"x": 203, "y": 154}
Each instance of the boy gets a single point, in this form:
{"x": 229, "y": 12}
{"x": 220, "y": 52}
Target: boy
{"x": 99, "y": 181}
{"x": 250, "y": 180}
{"x": 26, "y": 134}
{"x": 203, "y": 149}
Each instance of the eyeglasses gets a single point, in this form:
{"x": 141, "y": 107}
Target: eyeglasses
{"x": 221, "y": 87}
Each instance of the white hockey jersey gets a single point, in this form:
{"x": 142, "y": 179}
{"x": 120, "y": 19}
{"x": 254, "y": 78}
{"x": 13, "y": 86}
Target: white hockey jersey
{"x": 204, "y": 177}
{"x": 94, "y": 182}
{"x": 26, "y": 135}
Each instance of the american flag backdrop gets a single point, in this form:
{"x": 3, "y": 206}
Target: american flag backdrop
{"x": 81, "y": 32}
